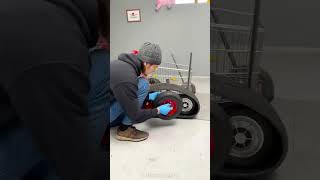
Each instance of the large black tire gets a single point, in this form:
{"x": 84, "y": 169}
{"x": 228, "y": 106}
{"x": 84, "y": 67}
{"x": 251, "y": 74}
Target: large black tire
{"x": 172, "y": 98}
{"x": 252, "y": 139}
{"x": 180, "y": 90}
{"x": 153, "y": 80}
{"x": 265, "y": 85}
{"x": 191, "y": 88}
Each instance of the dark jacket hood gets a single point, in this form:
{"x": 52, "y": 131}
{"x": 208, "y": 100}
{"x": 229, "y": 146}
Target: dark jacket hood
{"x": 133, "y": 61}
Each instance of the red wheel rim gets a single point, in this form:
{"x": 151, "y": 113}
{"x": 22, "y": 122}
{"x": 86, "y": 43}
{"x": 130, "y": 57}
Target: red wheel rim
{"x": 173, "y": 105}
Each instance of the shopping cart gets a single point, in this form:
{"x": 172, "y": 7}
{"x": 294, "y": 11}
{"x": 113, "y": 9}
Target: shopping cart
{"x": 241, "y": 92}
{"x": 173, "y": 73}
{"x": 235, "y": 50}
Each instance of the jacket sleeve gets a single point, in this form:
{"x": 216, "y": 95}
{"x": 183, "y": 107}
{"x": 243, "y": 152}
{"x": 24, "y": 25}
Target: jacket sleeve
{"x": 126, "y": 95}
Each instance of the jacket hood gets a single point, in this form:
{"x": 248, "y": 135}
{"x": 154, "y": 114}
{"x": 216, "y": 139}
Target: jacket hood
{"x": 133, "y": 61}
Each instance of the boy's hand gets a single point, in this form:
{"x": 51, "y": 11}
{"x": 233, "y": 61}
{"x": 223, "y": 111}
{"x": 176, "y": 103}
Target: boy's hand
{"x": 164, "y": 109}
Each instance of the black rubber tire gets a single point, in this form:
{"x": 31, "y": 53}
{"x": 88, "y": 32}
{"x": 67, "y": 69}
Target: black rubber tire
{"x": 172, "y": 96}
{"x": 180, "y": 90}
{"x": 192, "y": 87}
{"x": 265, "y": 85}
{"x": 262, "y": 154}
{"x": 191, "y": 105}
{"x": 153, "y": 80}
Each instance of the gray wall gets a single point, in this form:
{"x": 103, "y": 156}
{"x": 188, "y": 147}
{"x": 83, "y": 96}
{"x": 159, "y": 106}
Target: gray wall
{"x": 292, "y": 22}
{"x": 183, "y": 29}
{"x": 287, "y": 22}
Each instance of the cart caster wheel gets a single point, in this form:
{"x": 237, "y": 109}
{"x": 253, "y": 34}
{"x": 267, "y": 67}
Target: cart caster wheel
{"x": 153, "y": 81}
{"x": 252, "y": 139}
{"x": 171, "y": 98}
{"x": 192, "y": 87}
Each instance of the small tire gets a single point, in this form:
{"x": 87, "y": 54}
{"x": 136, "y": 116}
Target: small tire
{"x": 265, "y": 85}
{"x": 252, "y": 138}
{"x": 153, "y": 81}
{"x": 179, "y": 90}
{"x": 192, "y": 87}
{"x": 171, "y": 98}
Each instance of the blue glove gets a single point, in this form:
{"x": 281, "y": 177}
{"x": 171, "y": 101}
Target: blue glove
{"x": 153, "y": 96}
{"x": 165, "y": 109}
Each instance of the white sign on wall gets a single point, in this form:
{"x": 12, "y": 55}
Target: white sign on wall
{"x": 133, "y": 15}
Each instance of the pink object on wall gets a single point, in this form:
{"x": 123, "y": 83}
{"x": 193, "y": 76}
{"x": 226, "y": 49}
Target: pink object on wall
{"x": 167, "y": 3}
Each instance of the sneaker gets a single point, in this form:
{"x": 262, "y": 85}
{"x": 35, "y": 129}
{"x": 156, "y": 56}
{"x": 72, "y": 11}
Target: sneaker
{"x": 131, "y": 134}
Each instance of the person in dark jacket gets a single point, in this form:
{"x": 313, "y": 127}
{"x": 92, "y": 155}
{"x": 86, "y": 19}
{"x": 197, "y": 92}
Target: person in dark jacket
{"x": 129, "y": 88}
{"x": 44, "y": 88}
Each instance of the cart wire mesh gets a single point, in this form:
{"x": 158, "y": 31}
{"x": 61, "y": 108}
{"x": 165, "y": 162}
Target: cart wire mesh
{"x": 231, "y": 39}
{"x": 172, "y": 73}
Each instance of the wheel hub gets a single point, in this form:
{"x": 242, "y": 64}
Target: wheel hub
{"x": 248, "y": 137}
{"x": 240, "y": 138}
{"x": 187, "y": 105}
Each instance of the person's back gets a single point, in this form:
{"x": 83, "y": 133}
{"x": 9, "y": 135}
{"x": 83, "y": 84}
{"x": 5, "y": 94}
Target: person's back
{"x": 44, "y": 69}
{"x": 124, "y": 73}
{"x": 125, "y": 69}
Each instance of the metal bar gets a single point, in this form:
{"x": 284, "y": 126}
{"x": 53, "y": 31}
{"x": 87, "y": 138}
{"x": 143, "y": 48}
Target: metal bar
{"x": 224, "y": 40}
{"x": 181, "y": 65}
{"x": 160, "y": 75}
{"x": 235, "y": 51}
{"x": 177, "y": 68}
{"x": 233, "y": 11}
{"x": 189, "y": 70}
{"x": 185, "y": 70}
{"x": 254, "y": 39}
{"x": 231, "y": 27}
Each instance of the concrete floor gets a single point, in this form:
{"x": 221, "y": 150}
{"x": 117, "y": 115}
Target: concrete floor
{"x": 178, "y": 149}
{"x": 296, "y": 75}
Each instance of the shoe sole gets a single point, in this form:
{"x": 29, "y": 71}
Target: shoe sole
{"x": 121, "y": 138}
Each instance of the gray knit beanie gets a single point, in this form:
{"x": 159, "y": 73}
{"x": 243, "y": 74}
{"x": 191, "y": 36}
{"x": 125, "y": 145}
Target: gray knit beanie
{"x": 150, "y": 53}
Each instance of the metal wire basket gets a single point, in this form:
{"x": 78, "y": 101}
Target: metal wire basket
{"x": 172, "y": 73}
{"x": 231, "y": 46}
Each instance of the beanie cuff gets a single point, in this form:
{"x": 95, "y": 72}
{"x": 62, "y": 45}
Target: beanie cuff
{"x": 148, "y": 60}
